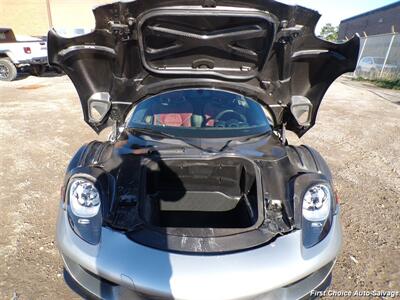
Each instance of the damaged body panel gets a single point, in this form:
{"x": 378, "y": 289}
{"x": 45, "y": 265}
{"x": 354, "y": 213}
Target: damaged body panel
{"x": 197, "y": 180}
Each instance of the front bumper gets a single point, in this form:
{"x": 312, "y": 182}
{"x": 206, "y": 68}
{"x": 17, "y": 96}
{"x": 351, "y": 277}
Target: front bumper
{"x": 118, "y": 268}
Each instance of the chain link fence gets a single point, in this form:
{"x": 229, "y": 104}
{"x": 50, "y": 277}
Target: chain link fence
{"x": 379, "y": 57}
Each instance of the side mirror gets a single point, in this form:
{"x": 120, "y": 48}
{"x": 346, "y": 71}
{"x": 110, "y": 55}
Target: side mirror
{"x": 301, "y": 108}
{"x": 99, "y": 104}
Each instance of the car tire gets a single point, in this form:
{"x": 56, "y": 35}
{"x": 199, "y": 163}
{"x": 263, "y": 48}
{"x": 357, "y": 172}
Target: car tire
{"x": 8, "y": 72}
{"x": 37, "y": 70}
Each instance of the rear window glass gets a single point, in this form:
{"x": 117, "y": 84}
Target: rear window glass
{"x": 200, "y": 113}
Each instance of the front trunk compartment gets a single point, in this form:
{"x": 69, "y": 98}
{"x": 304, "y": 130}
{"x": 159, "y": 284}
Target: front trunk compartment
{"x": 197, "y": 204}
{"x": 221, "y": 194}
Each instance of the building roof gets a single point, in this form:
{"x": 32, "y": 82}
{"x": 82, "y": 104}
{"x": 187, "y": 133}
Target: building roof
{"x": 383, "y": 8}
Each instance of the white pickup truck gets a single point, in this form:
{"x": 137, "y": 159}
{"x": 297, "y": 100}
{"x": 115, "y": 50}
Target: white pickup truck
{"x": 20, "y": 51}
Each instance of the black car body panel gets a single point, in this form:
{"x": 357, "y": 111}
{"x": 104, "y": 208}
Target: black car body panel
{"x": 262, "y": 49}
{"x": 122, "y": 168}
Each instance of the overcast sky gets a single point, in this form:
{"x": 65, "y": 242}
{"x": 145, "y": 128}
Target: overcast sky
{"x": 334, "y": 11}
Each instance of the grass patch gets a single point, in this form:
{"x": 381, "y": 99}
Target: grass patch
{"x": 388, "y": 84}
{"x": 393, "y": 84}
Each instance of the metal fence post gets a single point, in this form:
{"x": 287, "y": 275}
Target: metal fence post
{"x": 360, "y": 55}
{"x": 387, "y": 55}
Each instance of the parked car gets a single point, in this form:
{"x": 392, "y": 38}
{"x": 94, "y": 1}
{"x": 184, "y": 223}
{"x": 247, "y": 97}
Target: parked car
{"x": 20, "y": 51}
{"x": 371, "y": 67}
{"x": 197, "y": 193}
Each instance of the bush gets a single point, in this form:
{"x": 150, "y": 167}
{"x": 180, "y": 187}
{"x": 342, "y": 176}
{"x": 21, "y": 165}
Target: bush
{"x": 388, "y": 84}
{"x": 383, "y": 83}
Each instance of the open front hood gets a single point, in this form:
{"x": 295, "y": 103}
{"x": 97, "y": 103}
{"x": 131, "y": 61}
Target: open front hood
{"x": 262, "y": 49}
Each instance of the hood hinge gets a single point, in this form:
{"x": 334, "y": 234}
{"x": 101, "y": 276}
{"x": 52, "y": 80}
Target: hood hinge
{"x": 124, "y": 32}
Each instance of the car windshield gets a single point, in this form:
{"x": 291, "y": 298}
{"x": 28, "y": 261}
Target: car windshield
{"x": 204, "y": 113}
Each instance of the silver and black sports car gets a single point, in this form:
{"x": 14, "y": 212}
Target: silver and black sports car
{"x": 197, "y": 194}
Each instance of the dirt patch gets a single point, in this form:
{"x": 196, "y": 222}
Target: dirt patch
{"x": 357, "y": 132}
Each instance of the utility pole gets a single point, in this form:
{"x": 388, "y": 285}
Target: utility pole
{"x": 49, "y": 18}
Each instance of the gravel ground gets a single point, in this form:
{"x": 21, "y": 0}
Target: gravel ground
{"x": 357, "y": 131}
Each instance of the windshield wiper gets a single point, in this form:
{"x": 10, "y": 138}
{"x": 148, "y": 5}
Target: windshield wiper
{"x": 150, "y": 132}
{"x": 243, "y": 140}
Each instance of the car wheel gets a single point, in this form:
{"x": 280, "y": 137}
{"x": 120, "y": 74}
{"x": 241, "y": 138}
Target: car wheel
{"x": 8, "y": 72}
{"x": 37, "y": 70}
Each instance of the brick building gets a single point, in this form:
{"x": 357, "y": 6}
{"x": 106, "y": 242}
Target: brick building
{"x": 35, "y": 17}
{"x": 379, "y": 21}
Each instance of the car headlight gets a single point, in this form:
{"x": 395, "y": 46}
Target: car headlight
{"x": 84, "y": 198}
{"x": 317, "y": 213}
{"x": 317, "y": 203}
{"x": 83, "y": 209}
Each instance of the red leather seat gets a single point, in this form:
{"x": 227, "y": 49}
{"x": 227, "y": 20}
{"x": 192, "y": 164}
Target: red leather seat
{"x": 176, "y": 114}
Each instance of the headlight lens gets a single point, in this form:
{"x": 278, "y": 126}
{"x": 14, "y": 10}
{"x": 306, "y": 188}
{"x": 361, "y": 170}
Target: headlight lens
{"x": 83, "y": 209}
{"x": 84, "y": 198}
{"x": 317, "y": 214}
{"x": 317, "y": 203}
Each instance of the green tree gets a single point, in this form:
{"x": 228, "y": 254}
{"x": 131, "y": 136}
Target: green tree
{"x": 330, "y": 32}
